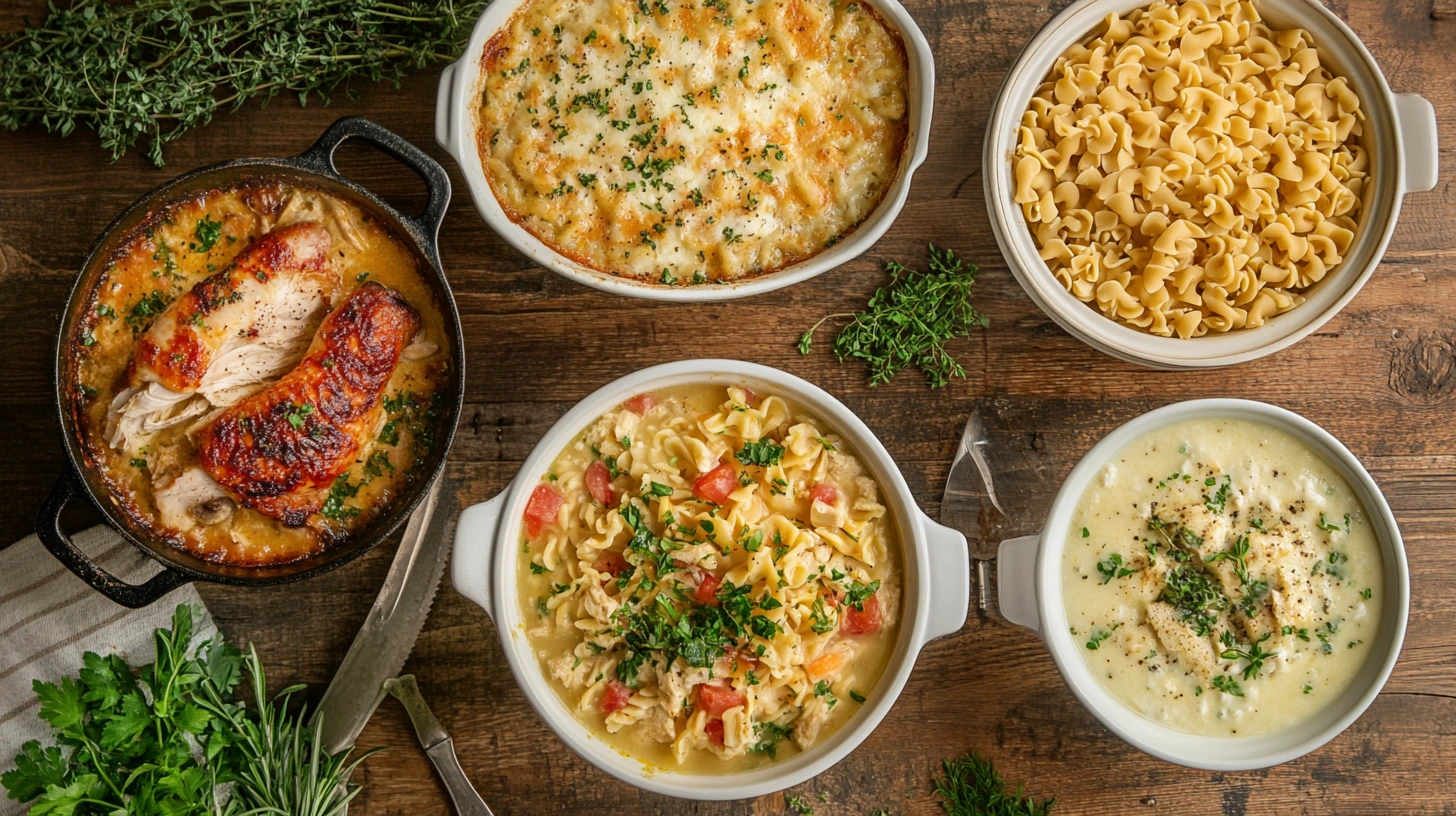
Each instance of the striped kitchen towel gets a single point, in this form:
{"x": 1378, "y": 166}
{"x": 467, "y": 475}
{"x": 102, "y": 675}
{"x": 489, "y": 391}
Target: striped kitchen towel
{"x": 49, "y": 618}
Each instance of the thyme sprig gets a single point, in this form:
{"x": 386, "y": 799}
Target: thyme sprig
{"x": 159, "y": 68}
{"x": 908, "y": 321}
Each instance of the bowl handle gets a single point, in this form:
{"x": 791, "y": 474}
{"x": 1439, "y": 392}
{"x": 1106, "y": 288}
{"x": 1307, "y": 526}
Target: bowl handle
{"x": 444, "y": 104}
{"x": 48, "y": 530}
{"x": 474, "y": 552}
{"x": 950, "y": 579}
{"x": 1417, "y": 141}
{"x": 1016, "y": 581}
{"x": 320, "y": 159}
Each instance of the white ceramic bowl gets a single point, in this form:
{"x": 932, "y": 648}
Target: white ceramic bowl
{"x": 1029, "y": 576}
{"x": 935, "y": 600}
{"x": 1400, "y": 134}
{"x": 457, "y": 116}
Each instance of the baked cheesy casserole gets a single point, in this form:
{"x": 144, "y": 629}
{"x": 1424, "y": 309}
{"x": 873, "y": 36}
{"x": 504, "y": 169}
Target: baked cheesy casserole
{"x": 692, "y": 142}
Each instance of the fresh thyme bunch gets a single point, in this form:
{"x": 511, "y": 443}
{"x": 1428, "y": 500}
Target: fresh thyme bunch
{"x": 908, "y": 321}
{"x": 158, "y": 68}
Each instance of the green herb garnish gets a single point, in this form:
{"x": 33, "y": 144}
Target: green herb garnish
{"x": 971, "y": 786}
{"x": 165, "y": 739}
{"x": 909, "y": 321}
{"x": 158, "y": 68}
{"x": 763, "y": 453}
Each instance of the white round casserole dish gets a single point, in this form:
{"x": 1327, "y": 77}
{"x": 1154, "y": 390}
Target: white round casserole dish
{"x": 457, "y": 116}
{"x": 1029, "y": 577}
{"x": 1400, "y": 133}
{"x": 935, "y": 599}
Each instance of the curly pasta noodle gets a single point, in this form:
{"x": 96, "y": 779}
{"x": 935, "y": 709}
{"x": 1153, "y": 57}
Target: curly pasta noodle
{"x": 1191, "y": 170}
{"x": 707, "y": 573}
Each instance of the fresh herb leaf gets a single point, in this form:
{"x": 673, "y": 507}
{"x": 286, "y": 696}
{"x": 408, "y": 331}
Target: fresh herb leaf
{"x": 763, "y": 453}
{"x": 909, "y": 321}
{"x": 170, "y": 65}
{"x": 970, "y": 786}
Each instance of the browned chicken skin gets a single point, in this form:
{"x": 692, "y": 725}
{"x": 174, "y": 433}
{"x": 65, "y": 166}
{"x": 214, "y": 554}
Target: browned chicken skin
{"x": 280, "y": 450}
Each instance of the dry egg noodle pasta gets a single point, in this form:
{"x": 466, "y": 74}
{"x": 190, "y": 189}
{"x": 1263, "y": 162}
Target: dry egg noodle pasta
{"x": 683, "y": 143}
{"x": 709, "y": 579}
{"x": 1191, "y": 170}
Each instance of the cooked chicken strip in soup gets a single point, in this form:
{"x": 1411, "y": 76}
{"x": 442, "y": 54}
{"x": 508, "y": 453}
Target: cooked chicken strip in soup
{"x": 261, "y": 371}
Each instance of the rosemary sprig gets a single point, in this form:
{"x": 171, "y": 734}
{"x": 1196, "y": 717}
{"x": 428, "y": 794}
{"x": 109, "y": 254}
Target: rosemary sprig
{"x": 972, "y": 787}
{"x": 158, "y": 68}
{"x": 908, "y": 321}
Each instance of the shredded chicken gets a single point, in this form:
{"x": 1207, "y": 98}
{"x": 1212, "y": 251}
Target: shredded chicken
{"x": 230, "y": 336}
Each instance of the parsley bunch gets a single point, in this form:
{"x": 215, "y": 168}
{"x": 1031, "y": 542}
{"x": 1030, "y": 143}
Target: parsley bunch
{"x": 158, "y": 68}
{"x": 162, "y": 739}
{"x": 908, "y": 321}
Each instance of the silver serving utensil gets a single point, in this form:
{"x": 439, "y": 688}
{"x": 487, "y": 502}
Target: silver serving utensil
{"x": 438, "y": 746}
{"x": 388, "y": 635}
{"x": 967, "y": 488}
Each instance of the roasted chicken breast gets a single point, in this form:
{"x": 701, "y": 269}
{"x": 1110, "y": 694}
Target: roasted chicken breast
{"x": 232, "y": 333}
{"x": 280, "y": 450}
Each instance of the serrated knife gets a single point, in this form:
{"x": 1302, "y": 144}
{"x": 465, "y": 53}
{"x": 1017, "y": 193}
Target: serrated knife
{"x": 388, "y": 635}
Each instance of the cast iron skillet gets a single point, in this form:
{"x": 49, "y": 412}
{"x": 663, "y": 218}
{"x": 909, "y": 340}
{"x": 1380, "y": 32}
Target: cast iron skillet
{"x": 313, "y": 168}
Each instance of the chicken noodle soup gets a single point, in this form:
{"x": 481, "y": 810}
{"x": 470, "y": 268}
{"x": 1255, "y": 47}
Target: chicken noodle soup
{"x": 257, "y": 372}
{"x": 709, "y": 579}
{"x": 1222, "y": 578}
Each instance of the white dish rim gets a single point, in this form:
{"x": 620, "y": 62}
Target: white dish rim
{"x": 456, "y": 117}
{"x": 935, "y": 599}
{"x": 1401, "y": 141}
{"x": 1031, "y": 568}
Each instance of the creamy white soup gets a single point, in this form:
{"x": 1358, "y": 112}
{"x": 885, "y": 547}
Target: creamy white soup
{"x": 709, "y": 579}
{"x": 1222, "y": 579}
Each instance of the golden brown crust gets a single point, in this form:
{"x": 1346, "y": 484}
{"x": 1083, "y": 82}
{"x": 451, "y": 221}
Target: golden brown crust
{"x": 280, "y": 450}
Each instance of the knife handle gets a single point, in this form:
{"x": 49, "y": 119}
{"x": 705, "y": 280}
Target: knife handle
{"x": 462, "y": 793}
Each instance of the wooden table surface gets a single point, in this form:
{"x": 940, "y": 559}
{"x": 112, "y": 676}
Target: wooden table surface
{"x": 1381, "y": 376}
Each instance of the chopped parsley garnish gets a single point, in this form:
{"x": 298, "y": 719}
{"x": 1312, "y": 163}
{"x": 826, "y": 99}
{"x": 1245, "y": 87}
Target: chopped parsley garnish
{"x": 207, "y": 233}
{"x": 298, "y": 415}
{"x": 1228, "y": 685}
{"x": 1112, "y": 567}
{"x": 858, "y": 593}
{"x": 763, "y": 453}
{"x": 334, "y": 507}
{"x": 1102, "y": 634}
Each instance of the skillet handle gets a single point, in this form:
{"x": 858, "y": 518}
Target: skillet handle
{"x": 48, "y": 529}
{"x": 320, "y": 159}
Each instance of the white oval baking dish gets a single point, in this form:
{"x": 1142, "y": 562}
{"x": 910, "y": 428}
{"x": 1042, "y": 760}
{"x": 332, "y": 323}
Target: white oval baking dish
{"x": 1029, "y": 578}
{"x": 935, "y": 600}
{"x": 456, "y": 117}
{"x": 1400, "y": 133}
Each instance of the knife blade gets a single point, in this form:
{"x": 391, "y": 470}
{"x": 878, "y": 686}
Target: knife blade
{"x": 438, "y": 746}
{"x": 968, "y": 484}
{"x": 388, "y": 635}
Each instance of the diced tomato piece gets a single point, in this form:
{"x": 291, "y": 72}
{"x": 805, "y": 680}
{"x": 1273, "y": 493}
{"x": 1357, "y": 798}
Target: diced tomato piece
{"x": 714, "y": 730}
{"x": 611, "y": 563}
{"x": 866, "y": 622}
{"x": 717, "y": 484}
{"x": 824, "y": 492}
{"x": 599, "y": 484}
{"x": 615, "y": 697}
{"x": 541, "y": 509}
{"x": 707, "y": 591}
{"x": 716, "y": 699}
{"x": 640, "y": 404}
